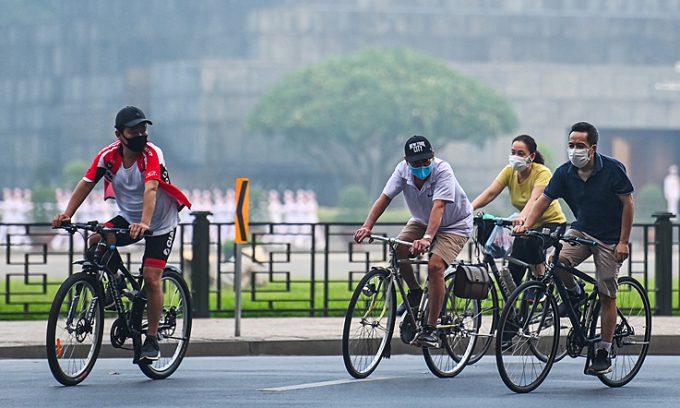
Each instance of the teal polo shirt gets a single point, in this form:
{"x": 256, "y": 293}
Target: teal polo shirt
{"x": 595, "y": 202}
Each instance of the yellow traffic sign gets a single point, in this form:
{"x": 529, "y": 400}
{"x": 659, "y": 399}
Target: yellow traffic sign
{"x": 242, "y": 203}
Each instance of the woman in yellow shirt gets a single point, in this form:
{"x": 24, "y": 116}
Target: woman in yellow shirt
{"x": 526, "y": 177}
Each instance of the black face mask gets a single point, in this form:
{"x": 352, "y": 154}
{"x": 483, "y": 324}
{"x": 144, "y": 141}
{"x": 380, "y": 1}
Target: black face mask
{"x": 136, "y": 144}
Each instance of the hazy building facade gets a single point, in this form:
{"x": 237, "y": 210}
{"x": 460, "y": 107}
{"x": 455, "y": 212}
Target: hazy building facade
{"x": 197, "y": 68}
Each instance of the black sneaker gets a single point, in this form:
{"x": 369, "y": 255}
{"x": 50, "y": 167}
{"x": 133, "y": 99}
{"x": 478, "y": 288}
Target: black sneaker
{"x": 151, "y": 351}
{"x": 601, "y": 364}
{"x": 576, "y": 301}
{"x": 426, "y": 338}
{"x": 109, "y": 302}
{"x": 413, "y": 297}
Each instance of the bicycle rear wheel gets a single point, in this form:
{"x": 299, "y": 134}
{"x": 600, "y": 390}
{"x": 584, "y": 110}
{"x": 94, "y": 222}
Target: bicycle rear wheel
{"x": 369, "y": 323}
{"x": 174, "y": 329}
{"x": 459, "y": 323}
{"x": 74, "y": 328}
{"x": 527, "y": 337}
{"x": 632, "y": 334}
{"x": 489, "y": 314}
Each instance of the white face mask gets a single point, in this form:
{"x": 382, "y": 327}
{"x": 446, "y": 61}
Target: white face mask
{"x": 578, "y": 157}
{"x": 519, "y": 163}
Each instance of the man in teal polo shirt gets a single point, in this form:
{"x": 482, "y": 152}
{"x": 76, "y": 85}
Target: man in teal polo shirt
{"x": 600, "y": 195}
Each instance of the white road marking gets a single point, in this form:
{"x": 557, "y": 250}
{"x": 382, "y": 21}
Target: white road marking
{"x": 322, "y": 384}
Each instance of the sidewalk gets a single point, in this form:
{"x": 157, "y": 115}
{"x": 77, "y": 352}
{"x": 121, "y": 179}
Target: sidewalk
{"x": 267, "y": 336}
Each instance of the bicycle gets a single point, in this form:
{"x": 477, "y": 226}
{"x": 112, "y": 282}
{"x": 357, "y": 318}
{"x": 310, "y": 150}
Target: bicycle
{"x": 502, "y": 283}
{"x": 533, "y": 321}
{"x": 371, "y": 317}
{"x": 76, "y": 320}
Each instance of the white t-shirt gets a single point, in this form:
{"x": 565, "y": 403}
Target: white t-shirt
{"x": 440, "y": 185}
{"x": 129, "y": 187}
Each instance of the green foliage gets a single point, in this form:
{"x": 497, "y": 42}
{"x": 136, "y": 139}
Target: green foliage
{"x": 648, "y": 201}
{"x": 44, "y": 200}
{"x": 354, "y": 113}
{"x": 72, "y": 173}
{"x": 354, "y": 196}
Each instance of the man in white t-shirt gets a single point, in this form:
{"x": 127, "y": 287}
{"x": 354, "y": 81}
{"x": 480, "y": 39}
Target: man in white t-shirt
{"x": 441, "y": 223}
{"x": 135, "y": 175}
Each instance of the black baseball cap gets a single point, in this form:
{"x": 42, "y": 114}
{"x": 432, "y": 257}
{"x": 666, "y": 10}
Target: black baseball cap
{"x": 130, "y": 116}
{"x": 417, "y": 148}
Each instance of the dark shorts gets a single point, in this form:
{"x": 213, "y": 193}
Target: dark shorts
{"x": 157, "y": 248}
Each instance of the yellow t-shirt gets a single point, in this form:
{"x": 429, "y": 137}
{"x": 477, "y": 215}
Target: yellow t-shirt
{"x": 520, "y": 193}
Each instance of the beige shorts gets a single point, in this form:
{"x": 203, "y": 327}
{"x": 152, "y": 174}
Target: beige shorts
{"x": 446, "y": 246}
{"x": 606, "y": 266}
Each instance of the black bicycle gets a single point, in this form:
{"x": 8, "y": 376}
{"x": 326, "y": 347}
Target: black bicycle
{"x": 502, "y": 286}
{"x": 371, "y": 318}
{"x": 76, "y": 321}
{"x": 531, "y": 318}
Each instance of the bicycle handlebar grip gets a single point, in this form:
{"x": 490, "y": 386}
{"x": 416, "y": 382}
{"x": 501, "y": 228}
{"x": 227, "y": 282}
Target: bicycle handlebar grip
{"x": 584, "y": 241}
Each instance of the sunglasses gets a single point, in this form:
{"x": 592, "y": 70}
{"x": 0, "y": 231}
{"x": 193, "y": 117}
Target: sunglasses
{"x": 420, "y": 163}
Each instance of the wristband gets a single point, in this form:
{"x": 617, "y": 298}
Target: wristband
{"x": 427, "y": 236}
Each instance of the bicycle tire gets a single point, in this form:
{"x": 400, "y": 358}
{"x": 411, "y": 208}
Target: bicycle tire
{"x": 632, "y": 334}
{"x": 361, "y": 350}
{"x": 176, "y": 314}
{"x": 69, "y": 359}
{"x": 523, "y": 325}
{"x": 463, "y": 318}
{"x": 489, "y": 314}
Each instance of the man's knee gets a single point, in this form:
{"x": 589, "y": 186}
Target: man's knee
{"x": 152, "y": 276}
{"x": 435, "y": 268}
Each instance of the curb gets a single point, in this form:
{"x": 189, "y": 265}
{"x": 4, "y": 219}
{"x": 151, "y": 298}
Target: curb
{"x": 660, "y": 345}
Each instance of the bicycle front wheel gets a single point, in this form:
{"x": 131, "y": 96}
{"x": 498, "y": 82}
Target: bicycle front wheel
{"x": 459, "y": 323}
{"x": 369, "y": 323}
{"x": 74, "y": 328}
{"x": 632, "y": 334}
{"x": 174, "y": 328}
{"x": 527, "y": 337}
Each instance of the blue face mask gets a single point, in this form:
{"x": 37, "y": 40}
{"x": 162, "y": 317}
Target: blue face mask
{"x": 421, "y": 172}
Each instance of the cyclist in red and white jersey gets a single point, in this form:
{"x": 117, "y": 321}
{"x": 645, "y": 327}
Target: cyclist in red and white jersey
{"x": 134, "y": 174}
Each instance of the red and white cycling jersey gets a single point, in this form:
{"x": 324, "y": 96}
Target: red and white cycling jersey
{"x": 126, "y": 186}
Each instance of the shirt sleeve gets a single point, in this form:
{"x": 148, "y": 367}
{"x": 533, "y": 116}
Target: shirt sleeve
{"x": 445, "y": 184}
{"x": 556, "y": 187}
{"x": 504, "y": 176}
{"x": 96, "y": 170}
{"x": 622, "y": 184}
{"x": 395, "y": 184}
{"x": 154, "y": 158}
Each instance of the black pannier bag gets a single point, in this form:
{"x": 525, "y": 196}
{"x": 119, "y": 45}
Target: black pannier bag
{"x": 472, "y": 281}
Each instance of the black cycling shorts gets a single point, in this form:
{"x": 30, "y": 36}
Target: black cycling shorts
{"x": 157, "y": 248}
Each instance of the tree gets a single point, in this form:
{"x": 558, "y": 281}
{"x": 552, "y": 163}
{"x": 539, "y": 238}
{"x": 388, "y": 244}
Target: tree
{"x": 355, "y": 112}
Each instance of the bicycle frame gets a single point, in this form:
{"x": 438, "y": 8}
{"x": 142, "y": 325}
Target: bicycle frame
{"x": 575, "y": 320}
{"x": 396, "y": 279}
{"x": 110, "y": 263}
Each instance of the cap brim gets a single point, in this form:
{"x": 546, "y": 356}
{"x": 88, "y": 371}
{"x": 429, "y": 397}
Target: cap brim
{"x": 421, "y": 156}
{"x": 136, "y": 122}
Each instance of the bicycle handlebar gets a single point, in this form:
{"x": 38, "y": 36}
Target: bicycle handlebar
{"x": 482, "y": 218}
{"x": 389, "y": 240}
{"x": 557, "y": 236}
{"x": 96, "y": 227}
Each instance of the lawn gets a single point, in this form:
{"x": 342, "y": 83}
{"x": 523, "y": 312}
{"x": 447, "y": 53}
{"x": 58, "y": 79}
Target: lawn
{"x": 31, "y": 300}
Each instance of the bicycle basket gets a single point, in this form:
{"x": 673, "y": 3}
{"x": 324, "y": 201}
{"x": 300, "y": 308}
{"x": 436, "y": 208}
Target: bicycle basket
{"x": 484, "y": 228}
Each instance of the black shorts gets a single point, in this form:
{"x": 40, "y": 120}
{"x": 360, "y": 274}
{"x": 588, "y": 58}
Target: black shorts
{"x": 156, "y": 248}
